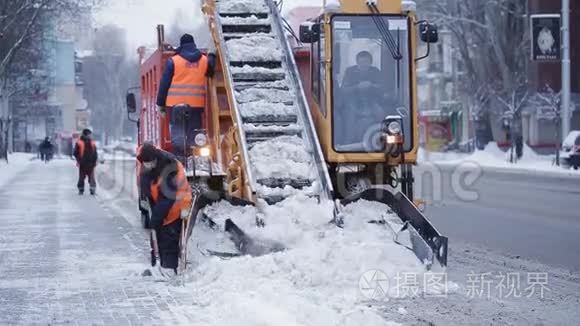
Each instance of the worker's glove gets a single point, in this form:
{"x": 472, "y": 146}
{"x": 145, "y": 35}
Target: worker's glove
{"x": 185, "y": 214}
{"x": 147, "y": 207}
{"x": 145, "y": 204}
{"x": 162, "y": 110}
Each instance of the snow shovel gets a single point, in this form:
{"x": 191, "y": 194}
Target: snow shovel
{"x": 154, "y": 249}
{"x": 187, "y": 224}
{"x": 154, "y": 244}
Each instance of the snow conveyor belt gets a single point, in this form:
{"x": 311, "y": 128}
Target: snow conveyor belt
{"x": 277, "y": 135}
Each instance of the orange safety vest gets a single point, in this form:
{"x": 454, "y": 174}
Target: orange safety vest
{"x": 81, "y": 146}
{"x": 183, "y": 200}
{"x": 189, "y": 83}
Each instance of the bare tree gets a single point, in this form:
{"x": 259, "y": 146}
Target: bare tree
{"x": 107, "y": 74}
{"x": 490, "y": 38}
{"x": 24, "y": 24}
{"x": 21, "y": 23}
{"x": 512, "y": 117}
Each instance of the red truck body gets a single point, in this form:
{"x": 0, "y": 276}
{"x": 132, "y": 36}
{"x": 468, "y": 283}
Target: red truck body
{"x": 153, "y": 126}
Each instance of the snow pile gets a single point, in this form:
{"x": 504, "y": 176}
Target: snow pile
{"x": 247, "y": 69}
{"x": 493, "y": 157}
{"x": 254, "y": 48}
{"x": 242, "y": 6}
{"x": 111, "y": 146}
{"x": 290, "y": 129}
{"x": 263, "y": 108}
{"x": 571, "y": 138}
{"x": 270, "y": 95}
{"x": 281, "y": 157}
{"x": 279, "y": 84}
{"x": 17, "y": 163}
{"x": 287, "y": 191}
{"x": 117, "y": 155}
{"x": 315, "y": 281}
{"x": 252, "y": 20}
{"x": 122, "y": 146}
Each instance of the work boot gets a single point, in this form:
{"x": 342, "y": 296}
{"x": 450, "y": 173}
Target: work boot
{"x": 159, "y": 273}
{"x": 92, "y": 192}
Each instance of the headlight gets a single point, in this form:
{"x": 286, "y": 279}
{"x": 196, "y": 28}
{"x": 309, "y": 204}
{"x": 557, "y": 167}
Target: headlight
{"x": 200, "y": 139}
{"x": 391, "y": 139}
{"x": 204, "y": 152}
{"x": 394, "y": 127}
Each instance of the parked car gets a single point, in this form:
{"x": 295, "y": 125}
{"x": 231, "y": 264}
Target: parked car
{"x": 571, "y": 150}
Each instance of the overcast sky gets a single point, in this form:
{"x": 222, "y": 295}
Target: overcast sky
{"x": 139, "y": 17}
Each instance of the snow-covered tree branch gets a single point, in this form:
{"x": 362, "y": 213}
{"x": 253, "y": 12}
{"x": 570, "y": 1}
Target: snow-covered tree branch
{"x": 489, "y": 37}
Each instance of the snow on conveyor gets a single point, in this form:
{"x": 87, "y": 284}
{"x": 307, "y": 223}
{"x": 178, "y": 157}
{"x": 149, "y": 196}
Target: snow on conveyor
{"x": 263, "y": 108}
{"x": 314, "y": 282}
{"x": 253, "y": 20}
{"x": 281, "y": 157}
{"x": 239, "y": 6}
{"x": 272, "y": 95}
{"x": 254, "y": 48}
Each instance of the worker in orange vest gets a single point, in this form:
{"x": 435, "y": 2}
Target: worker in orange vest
{"x": 169, "y": 198}
{"x": 184, "y": 79}
{"x": 85, "y": 153}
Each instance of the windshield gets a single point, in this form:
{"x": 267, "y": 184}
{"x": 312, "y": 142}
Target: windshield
{"x": 371, "y": 80}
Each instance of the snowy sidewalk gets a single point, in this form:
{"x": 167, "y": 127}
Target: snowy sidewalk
{"x": 494, "y": 159}
{"x": 66, "y": 259}
{"x": 17, "y": 162}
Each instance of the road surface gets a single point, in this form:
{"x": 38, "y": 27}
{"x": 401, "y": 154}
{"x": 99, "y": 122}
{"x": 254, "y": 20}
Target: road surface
{"x": 530, "y": 216}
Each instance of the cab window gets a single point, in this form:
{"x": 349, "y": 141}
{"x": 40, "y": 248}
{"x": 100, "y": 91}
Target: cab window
{"x": 371, "y": 76}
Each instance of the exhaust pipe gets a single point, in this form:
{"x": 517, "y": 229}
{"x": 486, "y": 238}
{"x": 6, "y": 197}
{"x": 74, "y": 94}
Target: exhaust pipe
{"x": 160, "y": 37}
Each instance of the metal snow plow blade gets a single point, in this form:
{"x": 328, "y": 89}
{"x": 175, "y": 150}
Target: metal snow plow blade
{"x": 426, "y": 242}
{"x": 249, "y": 246}
{"x": 245, "y": 244}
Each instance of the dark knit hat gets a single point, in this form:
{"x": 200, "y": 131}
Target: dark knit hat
{"x": 186, "y": 39}
{"x": 148, "y": 153}
{"x": 86, "y": 132}
{"x": 364, "y": 54}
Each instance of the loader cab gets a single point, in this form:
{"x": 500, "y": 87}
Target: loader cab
{"x": 362, "y": 80}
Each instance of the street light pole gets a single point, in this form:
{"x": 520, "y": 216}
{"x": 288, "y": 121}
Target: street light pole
{"x": 565, "y": 68}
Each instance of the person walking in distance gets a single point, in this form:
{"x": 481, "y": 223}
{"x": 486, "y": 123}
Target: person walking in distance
{"x": 85, "y": 153}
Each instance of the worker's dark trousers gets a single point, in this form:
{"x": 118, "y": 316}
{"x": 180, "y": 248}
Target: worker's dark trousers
{"x": 184, "y": 123}
{"x": 83, "y": 174}
{"x": 168, "y": 242}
